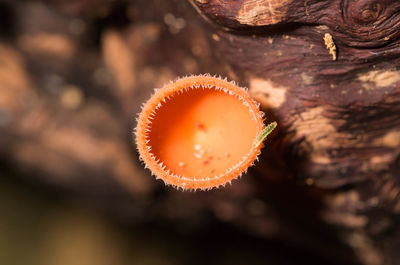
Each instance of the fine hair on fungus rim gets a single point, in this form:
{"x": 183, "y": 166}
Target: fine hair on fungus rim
{"x": 200, "y": 132}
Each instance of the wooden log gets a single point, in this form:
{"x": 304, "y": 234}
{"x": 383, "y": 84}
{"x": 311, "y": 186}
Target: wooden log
{"x": 338, "y": 112}
{"x": 327, "y": 71}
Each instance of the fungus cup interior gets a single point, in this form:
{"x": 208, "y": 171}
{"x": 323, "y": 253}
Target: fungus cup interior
{"x": 203, "y": 133}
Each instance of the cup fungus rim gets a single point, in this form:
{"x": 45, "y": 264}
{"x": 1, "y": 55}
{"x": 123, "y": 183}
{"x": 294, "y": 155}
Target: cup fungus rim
{"x": 159, "y": 169}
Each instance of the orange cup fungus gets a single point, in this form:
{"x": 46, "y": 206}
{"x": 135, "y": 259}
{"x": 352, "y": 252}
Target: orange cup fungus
{"x": 200, "y": 132}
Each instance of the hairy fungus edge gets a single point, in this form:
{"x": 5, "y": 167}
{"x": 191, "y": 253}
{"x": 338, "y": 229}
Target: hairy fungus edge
{"x": 158, "y": 169}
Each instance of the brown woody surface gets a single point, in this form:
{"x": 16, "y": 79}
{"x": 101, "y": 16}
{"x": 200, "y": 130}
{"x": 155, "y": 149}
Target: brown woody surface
{"x": 74, "y": 73}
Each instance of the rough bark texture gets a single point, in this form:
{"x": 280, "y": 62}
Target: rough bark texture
{"x": 339, "y": 119}
{"x": 326, "y": 191}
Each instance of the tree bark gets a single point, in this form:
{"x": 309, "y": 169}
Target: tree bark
{"x": 327, "y": 183}
{"x": 337, "y": 100}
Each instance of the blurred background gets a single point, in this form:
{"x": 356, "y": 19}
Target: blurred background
{"x": 73, "y": 75}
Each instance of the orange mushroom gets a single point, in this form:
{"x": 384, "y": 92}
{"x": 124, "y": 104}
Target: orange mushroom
{"x": 200, "y": 132}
